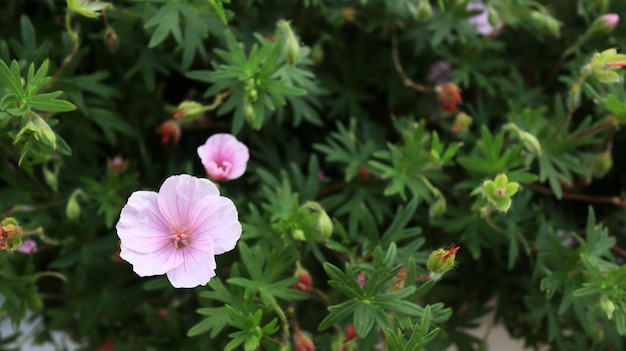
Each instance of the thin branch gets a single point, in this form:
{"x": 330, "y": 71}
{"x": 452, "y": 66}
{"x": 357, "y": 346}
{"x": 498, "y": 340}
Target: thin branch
{"x": 405, "y": 79}
{"x": 616, "y": 200}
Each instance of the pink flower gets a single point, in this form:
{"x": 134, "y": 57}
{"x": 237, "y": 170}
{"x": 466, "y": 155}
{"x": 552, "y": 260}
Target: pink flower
{"x": 481, "y": 20}
{"x": 224, "y": 157}
{"x": 178, "y": 231}
{"x": 28, "y": 246}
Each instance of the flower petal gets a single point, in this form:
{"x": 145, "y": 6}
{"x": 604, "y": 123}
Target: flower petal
{"x": 214, "y": 222}
{"x": 153, "y": 263}
{"x": 141, "y": 227}
{"x": 178, "y": 193}
{"x": 197, "y": 269}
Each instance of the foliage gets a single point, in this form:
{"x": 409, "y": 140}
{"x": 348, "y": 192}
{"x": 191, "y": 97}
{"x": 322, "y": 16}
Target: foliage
{"x": 385, "y": 204}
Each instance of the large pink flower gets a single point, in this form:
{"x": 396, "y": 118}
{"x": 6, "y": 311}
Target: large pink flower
{"x": 224, "y": 157}
{"x": 178, "y": 231}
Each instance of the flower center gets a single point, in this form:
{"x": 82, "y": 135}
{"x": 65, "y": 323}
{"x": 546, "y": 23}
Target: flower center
{"x": 223, "y": 166}
{"x": 180, "y": 237}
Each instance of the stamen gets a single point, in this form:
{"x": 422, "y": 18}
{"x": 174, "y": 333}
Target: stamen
{"x": 180, "y": 237}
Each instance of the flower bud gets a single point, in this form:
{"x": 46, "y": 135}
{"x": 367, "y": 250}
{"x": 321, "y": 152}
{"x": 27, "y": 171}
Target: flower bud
{"x": 10, "y": 234}
{"x": 424, "y": 10}
{"x": 303, "y": 342}
{"x": 604, "y": 64}
{"x": 493, "y": 17}
{"x": 438, "y": 208}
{"x": 50, "y": 177}
{"x": 350, "y": 334}
{"x": 250, "y": 114}
{"x": 322, "y": 225}
{"x": 169, "y": 130}
{"x": 545, "y": 23}
{"x": 305, "y": 283}
{"x": 298, "y": 234}
{"x": 72, "y": 209}
{"x": 188, "y": 111}
{"x": 441, "y": 261}
{"x": 603, "y": 25}
{"x": 601, "y": 164}
{"x": 291, "y": 48}
{"x": 608, "y": 307}
{"x": 450, "y": 97}
{"x": 530, "y": 142}
{"x": 462, "y": 122}
{"x": 110, "y": 40}
{"x": 348, "y": 14}
{"x": 117, "y": 164}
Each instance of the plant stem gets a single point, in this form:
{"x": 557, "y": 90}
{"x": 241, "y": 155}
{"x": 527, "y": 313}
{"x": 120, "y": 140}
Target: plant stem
{"x": 74, "y": 36}
{"x": 398, "y": 65}
{"x": 59, "y": 275}
{"x": 616, "y": 200}
{"x": 572, "y": 101}
{"x": 284, "y": 322}
{"x": 610, "y": 123}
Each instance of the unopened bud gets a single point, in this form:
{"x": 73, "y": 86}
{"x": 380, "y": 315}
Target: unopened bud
{"x": 441, "y": 260}
{"x": 462, "y": 122}
{"x": 250, "y": 114}
{"x": 530, "y": 142}
{"x": 438, "y": 208}
{"x": 603, "y": 25}
{"x": 601, "y": 164}
{"x": 291, "y": 48}
{"x": 298, "y": 234}
{"x": 305, "y": 283}
{"x": 169, "y": 130}
{"x": 449, "y": 96}
{"x": 546, "y": 23}
{"x": 350, "y": 334}
{"x": 303, "y": 342}
{"x": 424, "y": 10}
{"x": 494, "y": 18}
{"x": 110, "y": 40}
{"x": 188, "y": 111}
{"x": 322, "y": 225}
{"x": 72, "y": 209}
{"x": 608, "y": 307}
{"x": 50, "y": 177}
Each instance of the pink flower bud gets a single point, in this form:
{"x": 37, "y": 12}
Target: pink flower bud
{"x": 611, "y": 19}
{"x": 303, "y": 342}
{"x": 169, "y": 130}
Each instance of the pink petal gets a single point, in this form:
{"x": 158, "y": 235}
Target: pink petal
{"x": 141, "y": 227}
{"x": 197, "y": 269}
{"x": 153, "y": 263}
{"x": 178, "y": 193}
{"x": 28, "y": 246}
{"x": 224, "y": 157}
{"x": 214, "y": 222}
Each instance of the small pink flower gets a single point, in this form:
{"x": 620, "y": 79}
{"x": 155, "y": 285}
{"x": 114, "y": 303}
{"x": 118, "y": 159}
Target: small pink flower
{"x": 28, "y": 246}
{"x": 224, "y": 157}
{"x": 178, "y": 231}
{"x": 481, "y": 20}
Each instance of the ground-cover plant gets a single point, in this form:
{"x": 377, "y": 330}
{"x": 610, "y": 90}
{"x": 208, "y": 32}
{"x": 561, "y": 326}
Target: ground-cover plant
{"x": 317, "y": 174}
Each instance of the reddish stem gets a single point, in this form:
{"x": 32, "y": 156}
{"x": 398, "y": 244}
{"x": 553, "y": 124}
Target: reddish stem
{"x": 616, "y": 200}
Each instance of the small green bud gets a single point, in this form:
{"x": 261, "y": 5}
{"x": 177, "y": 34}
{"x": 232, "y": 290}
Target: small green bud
{"x": 298, "y": 234}
{"x": 111, "y": 40}
{"x": 250, "y": 114}
{"x": 322, "y": 225}
{"x": 291, "y": 48}
{"x": 424, "y": 10}
{"x": 72, "y": 209}
{"x": 597, "y": 335}
{"x": 530, "y": 142}
{"x": 546, "y": 23}
{"x": 441, "y": 261}
{"x": 601, "y": 164}
{"x": 462, "y": 122}
{"x": 188, "y": 111}
{"x": 438, "y": 208}
{"x": 51, "y": 178}
{"x": 608, "y": 307}
{"x": 494, "y": 18}
{"x": 87, "y": 8}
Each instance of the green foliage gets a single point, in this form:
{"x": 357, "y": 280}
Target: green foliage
{"x": 366, "y": 181}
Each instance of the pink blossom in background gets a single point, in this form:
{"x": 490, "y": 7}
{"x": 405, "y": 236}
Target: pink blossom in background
{"x": 178, "y": 231}
{"x": 612, "y": 19}
{"x": 28, "y": 246}
{"x": 481, "y": 20}
{"x": 224, "y": 157}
